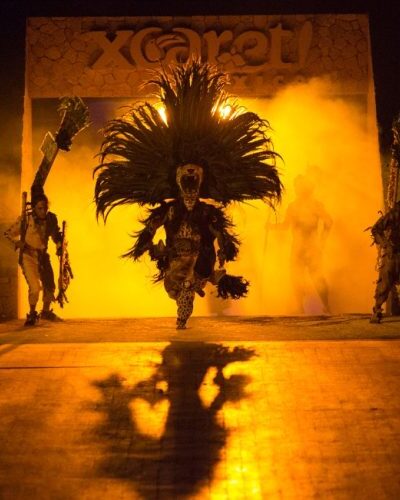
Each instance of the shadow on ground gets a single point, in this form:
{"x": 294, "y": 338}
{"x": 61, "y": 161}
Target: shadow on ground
{"x": 182, "y": 458}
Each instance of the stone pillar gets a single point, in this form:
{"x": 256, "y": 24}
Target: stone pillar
{"x": 12, "y": 42}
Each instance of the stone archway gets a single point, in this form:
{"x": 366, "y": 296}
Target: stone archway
{"x": 105, "y": 60}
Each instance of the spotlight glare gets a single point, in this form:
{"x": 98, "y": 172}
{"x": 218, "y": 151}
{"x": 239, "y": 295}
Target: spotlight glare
{"x": 162, "y": 112}
{"x": 225, "y": 111}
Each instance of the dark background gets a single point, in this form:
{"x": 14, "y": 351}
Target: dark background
{"x": 384, "y": 29}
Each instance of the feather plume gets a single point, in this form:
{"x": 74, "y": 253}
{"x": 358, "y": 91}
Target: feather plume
{"x": 140, "y": 152}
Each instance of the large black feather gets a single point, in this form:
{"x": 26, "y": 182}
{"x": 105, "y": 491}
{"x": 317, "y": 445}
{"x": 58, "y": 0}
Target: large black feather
{"x": 233, "y": 287}
{"x": 141, "y": 152}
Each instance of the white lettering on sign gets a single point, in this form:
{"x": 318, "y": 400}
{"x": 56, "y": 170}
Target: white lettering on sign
{"x": 249, "y": 52}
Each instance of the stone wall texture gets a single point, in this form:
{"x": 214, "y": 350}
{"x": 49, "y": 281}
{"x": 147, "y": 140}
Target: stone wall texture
{"x": 111, "y": 57}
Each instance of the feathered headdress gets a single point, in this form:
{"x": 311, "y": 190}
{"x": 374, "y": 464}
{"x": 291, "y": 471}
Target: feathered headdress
{"x": 141, "y": 151}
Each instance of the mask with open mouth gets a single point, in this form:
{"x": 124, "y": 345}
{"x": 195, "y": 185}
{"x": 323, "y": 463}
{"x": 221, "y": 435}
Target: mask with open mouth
{"x": 189, "y": 178}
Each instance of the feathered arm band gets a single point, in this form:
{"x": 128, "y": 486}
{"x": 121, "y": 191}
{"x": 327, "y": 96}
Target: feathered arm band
{"x": 144, "y": 238}
{"x": 228, "y": 243}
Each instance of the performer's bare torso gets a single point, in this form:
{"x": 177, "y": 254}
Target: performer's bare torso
{"x": 309, "y": 223}
{"x": 305, "y": 221}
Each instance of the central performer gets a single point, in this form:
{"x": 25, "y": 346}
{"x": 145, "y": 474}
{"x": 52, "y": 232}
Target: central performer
{"x": 187, "y": 167}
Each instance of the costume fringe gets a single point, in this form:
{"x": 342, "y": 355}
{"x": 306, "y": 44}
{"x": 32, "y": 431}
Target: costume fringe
{"x": 233, "y": 287}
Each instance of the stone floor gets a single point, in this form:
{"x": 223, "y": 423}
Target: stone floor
{"x": 231, "y": 408}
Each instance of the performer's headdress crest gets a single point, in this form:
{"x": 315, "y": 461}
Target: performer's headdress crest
{"x": 141, "y": 152}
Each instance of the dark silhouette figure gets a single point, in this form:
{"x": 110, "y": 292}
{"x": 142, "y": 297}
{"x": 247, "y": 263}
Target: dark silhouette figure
{"x": 386, "y": 234}
{"x": 182, "y": 460}
{"x": 310, "y": 224}
{"x": 31, "y": 238}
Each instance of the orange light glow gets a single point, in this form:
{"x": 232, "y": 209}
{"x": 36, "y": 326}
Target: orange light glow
{"x": 325, "y": 139}
{"x": 328, "y": 141}
{"x": 163, "y": 113}
{"x": 225, "y": 111}
{"x": 209, "y": 389}
{"x": 150, "y": 419}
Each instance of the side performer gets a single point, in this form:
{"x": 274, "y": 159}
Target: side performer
{"x": 386, "y": 234}
{"x": 31, "y": 232}
{"x": 174, "y": 166}
{"x": 30, "y": 235}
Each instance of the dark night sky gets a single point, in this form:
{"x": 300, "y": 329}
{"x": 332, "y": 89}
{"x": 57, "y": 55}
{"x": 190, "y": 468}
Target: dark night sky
{"x": 384, "y": 28}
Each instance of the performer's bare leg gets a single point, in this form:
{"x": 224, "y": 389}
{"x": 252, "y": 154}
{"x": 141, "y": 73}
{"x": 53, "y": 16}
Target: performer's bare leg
{"x": 48, "y": 313}
{"x": 382, "y": 291}
{"x": 322, "y": 290}
{"x": 298, "y": 280}
{"x": 30, "y": 269}
{"x": 184, "y": 301}
{"x": 384, "y": 285}
{"x": 48, "y": 294}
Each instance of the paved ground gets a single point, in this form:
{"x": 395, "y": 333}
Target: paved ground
{"x": 232, "y": 408}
